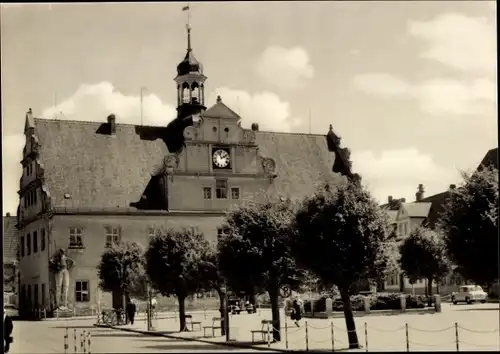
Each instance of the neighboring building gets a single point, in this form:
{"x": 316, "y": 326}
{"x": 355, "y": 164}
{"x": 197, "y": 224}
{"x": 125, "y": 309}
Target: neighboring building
{"x": 87, "y": 185}
{"x": 422, "y": 212}
{"x": 490, "y": 159}
{"x": 10, "y": 255}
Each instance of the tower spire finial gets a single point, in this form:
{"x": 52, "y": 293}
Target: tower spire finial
{"x": 188, "y": 26}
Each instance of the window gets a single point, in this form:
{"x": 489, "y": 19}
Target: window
{"x": 82, "y": 291}
{"x": 112, "y": 235}
{"x": 42, "y": 240}
{"x": 221, "y": 231}
{"x": 28, "y": 244}
{"x": 43, "y": 295}
{"x": 22, "y": 246}
{"x": 405, "y": 228}
{"x": 221, "y": 189}
{"x": 151, "y": 232}
{"x": 235, "y": 193}
{"x": 35, "y": 241}
{"x": 35, "y": 293}
{"x": 393, "y": 279}
{"x": 207, "y": 193}
{"x": 75, "y": 237}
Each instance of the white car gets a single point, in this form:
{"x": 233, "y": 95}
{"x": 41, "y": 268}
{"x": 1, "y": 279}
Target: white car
{"x": 469, "y": 294}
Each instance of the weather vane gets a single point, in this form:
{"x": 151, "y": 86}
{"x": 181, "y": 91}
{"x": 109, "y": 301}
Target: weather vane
{"x": 188, "y": 9}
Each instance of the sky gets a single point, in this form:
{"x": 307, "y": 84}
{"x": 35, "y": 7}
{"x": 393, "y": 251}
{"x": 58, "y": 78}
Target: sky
{"x": 409, "y": 86}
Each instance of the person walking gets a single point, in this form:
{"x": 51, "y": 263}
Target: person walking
{"x": 296, "y": 314}
{"x": 131, "y": 309}
{"x": 8, "y": 326}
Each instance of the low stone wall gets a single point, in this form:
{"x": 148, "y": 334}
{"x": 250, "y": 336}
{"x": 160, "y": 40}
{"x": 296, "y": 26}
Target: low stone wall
{"x": 331, "y": 314}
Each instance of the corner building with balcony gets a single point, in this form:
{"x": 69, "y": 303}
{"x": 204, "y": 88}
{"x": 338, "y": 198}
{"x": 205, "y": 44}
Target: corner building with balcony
{"x": 88, "y": 184}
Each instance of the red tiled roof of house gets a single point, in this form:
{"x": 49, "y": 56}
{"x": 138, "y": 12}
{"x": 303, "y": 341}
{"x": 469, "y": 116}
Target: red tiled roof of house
{"x": 9, "y": 239}
{"x": 101, "y": 171}
{"x": 490, "y": 159}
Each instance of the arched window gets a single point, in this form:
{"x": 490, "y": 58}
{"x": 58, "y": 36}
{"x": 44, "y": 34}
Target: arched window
{"x": 185, "y": 93}
{"x": 195, "y": 93}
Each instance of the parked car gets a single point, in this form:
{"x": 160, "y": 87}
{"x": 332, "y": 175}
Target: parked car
{"x": 11, "y": 310}
{"x": 469, "y": 294}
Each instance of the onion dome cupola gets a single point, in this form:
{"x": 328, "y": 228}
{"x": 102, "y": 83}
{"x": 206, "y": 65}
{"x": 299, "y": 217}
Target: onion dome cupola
{"x": 190, "y": 83}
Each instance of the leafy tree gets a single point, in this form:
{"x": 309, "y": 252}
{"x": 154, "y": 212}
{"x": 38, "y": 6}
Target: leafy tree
{"x": 121, "y": 270}
{"x": 343, "y": 236}
{"x": 423, "y": 256}
{"x": 212, "y": 279}
{"x": 255, "y": 250}
{"x": 469, "y": 223}
{"x": 173, "y": 264}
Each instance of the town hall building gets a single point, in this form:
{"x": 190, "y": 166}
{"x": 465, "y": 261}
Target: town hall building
{"x": 87, "y": 184}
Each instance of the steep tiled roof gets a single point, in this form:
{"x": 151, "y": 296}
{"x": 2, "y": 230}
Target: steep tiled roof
{"x": 490, "y": 159}
{"x": 101, "y": 171}
{"x": 9, "y": 238}
{"x": 437, "y": 202}
{"x": 417, "y": 209}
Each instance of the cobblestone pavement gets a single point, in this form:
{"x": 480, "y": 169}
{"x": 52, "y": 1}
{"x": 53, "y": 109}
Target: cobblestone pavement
{"x": 48, "y": 337}
{"x": 478, "y": 330}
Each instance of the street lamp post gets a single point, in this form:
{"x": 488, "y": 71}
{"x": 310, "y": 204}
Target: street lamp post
{"x": 148, "y": 309}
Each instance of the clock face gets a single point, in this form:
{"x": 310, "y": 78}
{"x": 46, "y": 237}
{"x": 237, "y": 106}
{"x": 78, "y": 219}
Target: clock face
{"x": 221, "y": 158}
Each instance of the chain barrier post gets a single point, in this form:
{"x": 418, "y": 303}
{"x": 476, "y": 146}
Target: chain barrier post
{"x": 74, "y": 339}
{"x": 407, "y": 338}
{"x": 307, "y": 338}
{"x": 268, "y": 335}
{"x": 205, "y": 312}
{"x": 66, "y": 340}
{"x": 456, "y": 337}
{"x": 333, "y": 340}
{"x": 81, "y": 342}
{"x": 286, "y": 334}
{"x": 89, "y": 351}
{"x": 84, "y": 341}
{"x": 366, "y": 336}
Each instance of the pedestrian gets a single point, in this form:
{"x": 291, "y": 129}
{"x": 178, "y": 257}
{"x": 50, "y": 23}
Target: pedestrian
{"x": 131, "y": 309}
{"x": 296, "y": 314}
{"x": 8, "y": 326}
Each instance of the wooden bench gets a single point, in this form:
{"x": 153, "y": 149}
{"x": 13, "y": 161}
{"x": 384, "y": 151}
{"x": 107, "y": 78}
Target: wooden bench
{"x": 215, "y": 325}
{"x": 190, "y": 322}
{"x": 266, "y": 327}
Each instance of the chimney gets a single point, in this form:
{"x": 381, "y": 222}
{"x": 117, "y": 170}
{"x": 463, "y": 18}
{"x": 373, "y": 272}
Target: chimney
{"x": 389, "y": 199}
{"x": 452, "y": 187}
{"x": 255, "y": 127}
{"x": 112, "y": 124}
{"x": 420, "y": 193}
{"x": 7, "y": 215}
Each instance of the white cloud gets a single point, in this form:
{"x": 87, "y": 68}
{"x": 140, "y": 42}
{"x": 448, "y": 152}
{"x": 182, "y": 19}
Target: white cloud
{"x": 12, "y": 148}
{"x": 398, "y": 173}
{"x": 436, "y": 96}
{"x": 94, "y": 102}
{"x": 464, "y": 43}
{"x": 264, "y": 108}
{"x": 284, "y": 68}
{"x": 381, "y": 84}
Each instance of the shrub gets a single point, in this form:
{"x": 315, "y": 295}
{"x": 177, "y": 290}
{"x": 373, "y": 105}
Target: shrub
{"x": 381, "y": 301}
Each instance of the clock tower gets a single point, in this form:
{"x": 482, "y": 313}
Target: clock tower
{"x": 190, "y": 97}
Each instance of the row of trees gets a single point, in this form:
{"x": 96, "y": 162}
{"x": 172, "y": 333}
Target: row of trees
{"x": 338, "y": 236}
{"x": 465, "y": 236}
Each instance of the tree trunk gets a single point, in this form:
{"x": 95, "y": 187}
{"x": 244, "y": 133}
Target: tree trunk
{"x": 349, "y": 318}
{"x": 429, "y": 286}
{"x": 222, "y": 307}
{"x": 275, "y": 310}
{"x": 182, "y": 313}
{"x": 124, "y": 306}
